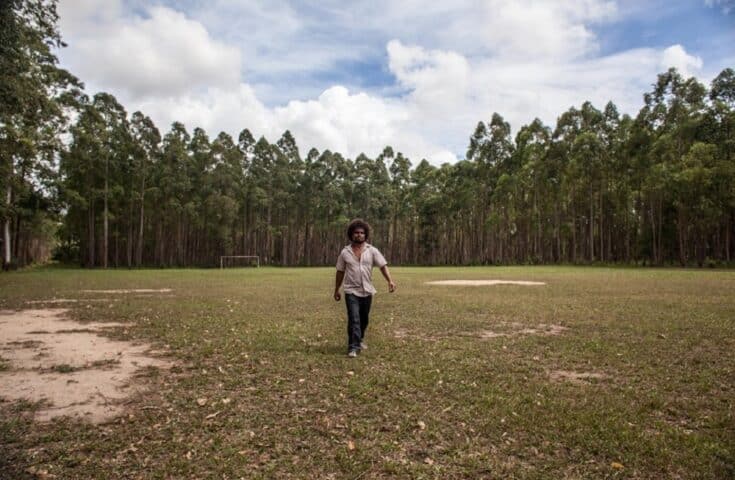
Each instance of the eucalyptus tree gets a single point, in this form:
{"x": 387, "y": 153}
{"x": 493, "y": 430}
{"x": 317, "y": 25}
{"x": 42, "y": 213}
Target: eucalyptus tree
{"x": 382, "y": 202}
{"x": 400, "y": 178}
{"x": 33, "y": 94}
{"x": 568, "y": 128}
{"x": 608, "y": 163}
{"x": 673, "y": 110}
{"x": 246, "y": 146}
{"x": 308, "y": 190}
{"x": 261, "y": 168}
{"x": 146, "y": 144}
{"x": 694, "y": 183}
{"x": 81, "y": 169}
{"x": 223, "y": 208}
{"x": 459, "y": 184}
{"x": 426, "y": 197}
{"x": 622, "y": 227}
{"x": 337, "y": 199}
{"x": 195, "y": 232}
{"x": 172, "y": 186}
{"x": 721, "y": 116}
{"x": 532, "y": 143}
{"x": 113, "y": 135}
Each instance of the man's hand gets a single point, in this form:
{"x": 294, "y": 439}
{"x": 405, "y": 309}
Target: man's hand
{"x": 338, "y": 283}
{"x": 391, "y": 286}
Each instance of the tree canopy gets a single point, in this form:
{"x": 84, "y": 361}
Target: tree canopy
{"x": 657, "y": 188}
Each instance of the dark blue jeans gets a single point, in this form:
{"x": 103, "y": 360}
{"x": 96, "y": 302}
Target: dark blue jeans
{"x": 358, "y": 313}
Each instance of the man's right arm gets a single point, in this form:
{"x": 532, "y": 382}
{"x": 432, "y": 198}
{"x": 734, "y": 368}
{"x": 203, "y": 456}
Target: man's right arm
{"x": 338, "y": 283}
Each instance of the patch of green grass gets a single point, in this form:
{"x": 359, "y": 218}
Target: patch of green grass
{"x": 435, "y": 396}
{"x": 63, "y": 368}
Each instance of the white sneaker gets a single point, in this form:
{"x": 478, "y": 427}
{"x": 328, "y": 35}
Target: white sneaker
{"x": 363, "y": 346}
{"x": 352, "y": 353}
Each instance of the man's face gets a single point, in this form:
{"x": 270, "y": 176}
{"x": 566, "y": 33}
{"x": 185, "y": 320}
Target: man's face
{"x": 358, "y": 235}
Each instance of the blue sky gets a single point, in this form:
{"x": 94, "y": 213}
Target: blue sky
{"x": 356, "y": 76}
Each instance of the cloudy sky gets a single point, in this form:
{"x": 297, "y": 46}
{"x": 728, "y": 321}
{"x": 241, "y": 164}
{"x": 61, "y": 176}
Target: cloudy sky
{"x": 356, "y": 76}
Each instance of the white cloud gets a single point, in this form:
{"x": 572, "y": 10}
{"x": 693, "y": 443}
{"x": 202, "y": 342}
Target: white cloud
{"x": 543, "y": 30}
{"x": 453, "y": 65}
{"x": 675, "y": 56}
{"x": 161, "y": 54}
{"x": 439, "y": 75}
{"x": 344, "y": 122}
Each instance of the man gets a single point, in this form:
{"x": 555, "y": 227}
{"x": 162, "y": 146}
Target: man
{"x": 355, "y": 266}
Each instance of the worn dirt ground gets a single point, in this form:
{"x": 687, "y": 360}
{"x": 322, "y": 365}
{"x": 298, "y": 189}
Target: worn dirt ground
{"x": 69, "y": 366}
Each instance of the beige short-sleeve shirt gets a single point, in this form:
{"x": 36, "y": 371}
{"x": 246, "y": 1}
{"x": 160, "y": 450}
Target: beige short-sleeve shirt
{"x": 359, "y": 273}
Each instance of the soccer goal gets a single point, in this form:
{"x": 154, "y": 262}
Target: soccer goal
{"x": 232, "y": 261}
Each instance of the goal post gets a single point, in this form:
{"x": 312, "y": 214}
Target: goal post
{"x": 230, "y": 260}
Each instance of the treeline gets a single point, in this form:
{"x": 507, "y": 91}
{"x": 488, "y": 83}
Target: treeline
{"x": 597, "y": 187}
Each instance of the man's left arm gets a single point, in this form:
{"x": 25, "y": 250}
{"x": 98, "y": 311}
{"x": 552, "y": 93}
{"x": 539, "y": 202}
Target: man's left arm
{"x": 386, "y": 274}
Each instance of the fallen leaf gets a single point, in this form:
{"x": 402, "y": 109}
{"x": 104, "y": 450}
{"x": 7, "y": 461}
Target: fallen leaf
{"x": 617, "y": 465}
{"x": 226, "y": 400}
{"x": 428, "y": 461}
{"x": 212, "y": 415}
{"x": 350, "y": 445}
{"x": 201, "y": 401}
{"x": 421, "y": 425}
{"x": 350, "y": 373}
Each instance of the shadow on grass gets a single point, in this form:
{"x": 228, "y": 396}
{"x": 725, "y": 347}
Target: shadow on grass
{"x": 330, "y": 350}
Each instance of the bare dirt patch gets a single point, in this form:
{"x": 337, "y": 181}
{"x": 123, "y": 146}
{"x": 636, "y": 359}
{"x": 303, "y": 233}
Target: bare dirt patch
{"x": 475, "y": 283}
{"x": 56, "y": 301}
{"x": 132, "y": 290}
{"x": 516, "y": 330}
{"x": 70, "y": 367}
{"x": 53, "y": 301}
{"x": 578, "y": 378}
{"x": 544, "y": 330}
{"x": 541, "y": 329}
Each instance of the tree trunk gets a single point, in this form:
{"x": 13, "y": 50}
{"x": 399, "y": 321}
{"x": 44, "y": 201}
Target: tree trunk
{"x": 601, "y": 230}
{"x": 727, "y": 239}
{"x": 6, "y": 228}
{"x": 139, "y": 250}
{"x": 131, "y": 236}
{"x": 284, "y": 246}
{"x": 592, "y": 225}
{"x": 19, "y": 259}
{"x": 574, "y": 235}
{"x": 90, "y": 235}
{"x": 681, "y": 231}
{"x": 654, "y": 244}
{"x": 105, "y": 220}
{"x": 307, "y": 253}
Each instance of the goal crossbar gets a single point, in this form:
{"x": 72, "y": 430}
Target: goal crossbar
{"x": 223, "y": 257}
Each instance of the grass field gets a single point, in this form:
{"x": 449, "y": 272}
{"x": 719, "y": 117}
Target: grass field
{"x": 601, "y": 373}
